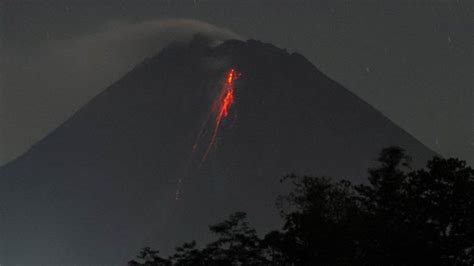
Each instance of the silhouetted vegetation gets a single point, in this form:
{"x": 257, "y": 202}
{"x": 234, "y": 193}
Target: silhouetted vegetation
{"x": 401, "y": 217}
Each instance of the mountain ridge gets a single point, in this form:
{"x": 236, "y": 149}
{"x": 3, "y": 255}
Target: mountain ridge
{"x": 114, "y": 166}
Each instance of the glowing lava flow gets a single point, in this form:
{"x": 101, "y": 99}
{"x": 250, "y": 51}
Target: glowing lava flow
{"x": 221, "y": 107}
{"x": 220, "y": 110}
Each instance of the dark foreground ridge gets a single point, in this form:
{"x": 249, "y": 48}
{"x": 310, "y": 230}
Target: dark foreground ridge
{"x": 401, "y": 217}
{"x": 103, "y": 184}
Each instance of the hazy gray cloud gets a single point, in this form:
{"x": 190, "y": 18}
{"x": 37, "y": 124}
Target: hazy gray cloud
{"x": 41, "y": 87}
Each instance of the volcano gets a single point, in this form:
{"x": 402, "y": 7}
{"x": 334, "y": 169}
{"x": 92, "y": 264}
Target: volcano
{"x": 105, "y": 182}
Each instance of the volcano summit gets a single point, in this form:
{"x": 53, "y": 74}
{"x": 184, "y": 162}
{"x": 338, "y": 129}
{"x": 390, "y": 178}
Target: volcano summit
{"x": 104, "y": 183}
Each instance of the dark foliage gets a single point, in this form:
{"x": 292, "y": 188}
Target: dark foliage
{"x": 401, "y": 217}
{"x": 418, "y": 217}
{"x": 149, "y": 257}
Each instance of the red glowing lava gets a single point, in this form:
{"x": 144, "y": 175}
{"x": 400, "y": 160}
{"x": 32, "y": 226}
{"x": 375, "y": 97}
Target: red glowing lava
{"x": 221, "y": 106}
{"x": 219, "y": 110}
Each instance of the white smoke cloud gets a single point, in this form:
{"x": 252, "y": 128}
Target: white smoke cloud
{"x": 41, "y": 88}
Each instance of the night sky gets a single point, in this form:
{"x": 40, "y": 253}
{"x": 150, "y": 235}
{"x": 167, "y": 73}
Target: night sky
{"x": 412, "y": 60}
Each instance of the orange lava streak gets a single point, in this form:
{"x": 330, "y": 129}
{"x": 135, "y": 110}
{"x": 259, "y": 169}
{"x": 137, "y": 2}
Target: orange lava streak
{"x": 230, "y": 77}
{"x": 222, "y": 105}
{"x": 226, "y": 103}
{"x": 220, "y": 110}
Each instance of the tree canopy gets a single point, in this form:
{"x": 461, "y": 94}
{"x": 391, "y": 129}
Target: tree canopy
{"x": 400, "y": 217}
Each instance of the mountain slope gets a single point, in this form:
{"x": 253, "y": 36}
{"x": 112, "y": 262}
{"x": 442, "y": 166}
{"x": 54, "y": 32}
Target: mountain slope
{"x": 104, "y": 183}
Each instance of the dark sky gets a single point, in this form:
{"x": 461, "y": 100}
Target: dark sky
{"x": 412, "y": 60}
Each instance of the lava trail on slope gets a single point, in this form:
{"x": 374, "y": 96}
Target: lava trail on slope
{"x": 219, "y": 110}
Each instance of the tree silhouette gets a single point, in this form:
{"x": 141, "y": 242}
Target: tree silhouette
{"x": 237, "y": 244}
{"x": 400, "y": 217}
{"x": 321, "y": 218}
{"x": 418, "y": 217}
{"x": 149, "y": 257}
